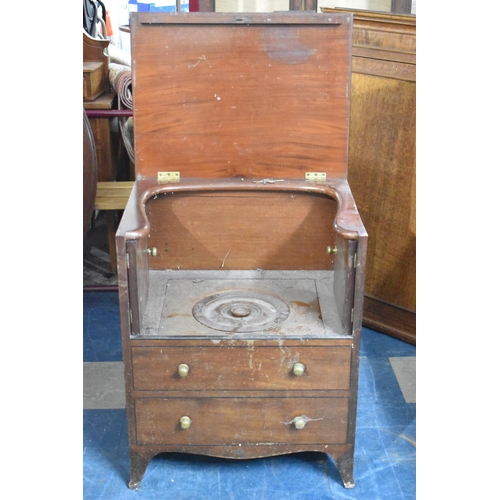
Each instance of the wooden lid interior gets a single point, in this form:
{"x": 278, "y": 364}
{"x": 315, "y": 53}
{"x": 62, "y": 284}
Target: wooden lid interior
{"x": 254, "y": 96}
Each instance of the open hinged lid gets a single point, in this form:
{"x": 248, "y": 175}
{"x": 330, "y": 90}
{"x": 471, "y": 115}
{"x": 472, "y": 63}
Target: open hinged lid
{"x": 227, "y": 95}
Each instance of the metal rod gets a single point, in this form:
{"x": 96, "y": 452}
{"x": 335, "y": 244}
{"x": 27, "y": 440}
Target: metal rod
{"x": 108, "y": 113}
{"x": 100, "y": 288}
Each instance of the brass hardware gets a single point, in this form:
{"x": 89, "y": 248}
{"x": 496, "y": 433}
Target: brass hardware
{"x": 298, "y": 369}
{"x": 185, "y": 422}
{"x": 299, "y": 422}
{"x": 331, "y": 250}
{"x": 183, "y": 370}
{"x": 169, "y": 177}
{"x": 316, "y": 176}
{"x": 153, "y": 251}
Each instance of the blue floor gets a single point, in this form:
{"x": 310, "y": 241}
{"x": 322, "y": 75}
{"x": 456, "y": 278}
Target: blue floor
{"x": 385, "y": 453}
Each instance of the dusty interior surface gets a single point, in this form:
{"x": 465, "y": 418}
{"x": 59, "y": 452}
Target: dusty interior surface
{"x": 239, "y": 304}
{"x": 235, "y": 230}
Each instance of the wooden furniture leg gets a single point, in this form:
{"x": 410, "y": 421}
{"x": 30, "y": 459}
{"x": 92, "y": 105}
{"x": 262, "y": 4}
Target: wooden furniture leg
{"x": 138, "y": 465}
{"x": 345, "y": 465}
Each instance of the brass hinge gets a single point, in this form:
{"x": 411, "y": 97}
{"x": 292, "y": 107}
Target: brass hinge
{"x": 355, "y": 260}
{"x": 316, "y": 176}
{"x": 352, "y": 315}
{"x": 130, "y": 315}
{"x": 128, "y": 261}
{"x": 169, "y": 177}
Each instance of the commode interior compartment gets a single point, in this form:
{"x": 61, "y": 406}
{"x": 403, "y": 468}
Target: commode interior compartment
{"x": 240, "y": 264}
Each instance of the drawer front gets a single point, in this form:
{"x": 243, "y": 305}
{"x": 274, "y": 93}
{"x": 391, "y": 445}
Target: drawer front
{"x": 241, "y": 368}
{"x": 238, "y": 421}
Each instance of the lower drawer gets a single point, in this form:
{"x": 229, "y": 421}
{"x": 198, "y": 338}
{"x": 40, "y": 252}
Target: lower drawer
{"x": 238, "y": 421}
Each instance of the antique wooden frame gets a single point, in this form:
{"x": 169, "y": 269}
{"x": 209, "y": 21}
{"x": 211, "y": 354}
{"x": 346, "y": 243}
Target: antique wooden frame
{"x": 237, "y": 161}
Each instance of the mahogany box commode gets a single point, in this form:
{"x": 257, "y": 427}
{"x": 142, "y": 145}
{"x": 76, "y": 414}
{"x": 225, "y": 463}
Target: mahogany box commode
{"x": 241, "y": 253}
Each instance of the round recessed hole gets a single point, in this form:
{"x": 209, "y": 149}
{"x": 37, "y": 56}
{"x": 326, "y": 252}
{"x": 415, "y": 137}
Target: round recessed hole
{"x": 241, "y": 311}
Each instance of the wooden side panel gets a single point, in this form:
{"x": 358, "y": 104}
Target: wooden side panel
{"x": 382, "y": 179}
{"x": 261, "y": 96}
{"x": 382, "y": 165}
{"x": 390, "y": 319}
{"x": 138, "y": 281}
{"x": 344, "y": 276}
{"x": 241, "y": 230}
{"x": 133, "y": 292}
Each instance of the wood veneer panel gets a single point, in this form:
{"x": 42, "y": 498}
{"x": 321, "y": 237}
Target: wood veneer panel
{"x": 383, "y": 182}
{"x": 382, "y": 164}
{"x": 241, "y": 230}
{"x": 390, "y": 319}
{"x": 256, "y": 101}
{"x": 233, "y": 368}
{"x": 226, "y": 421}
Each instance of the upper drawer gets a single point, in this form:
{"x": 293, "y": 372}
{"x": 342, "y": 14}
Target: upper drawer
{"x": 241, "y": 368}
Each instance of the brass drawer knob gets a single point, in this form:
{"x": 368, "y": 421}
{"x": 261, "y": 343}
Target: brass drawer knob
{"x": 185, "y": 422}
{"x": 331, "y": 250}
{"x": 153, "y": 251}
{"x": 298, "y": 369}
{"x": 299, "y": 422}
{"x": 183, "y": 370}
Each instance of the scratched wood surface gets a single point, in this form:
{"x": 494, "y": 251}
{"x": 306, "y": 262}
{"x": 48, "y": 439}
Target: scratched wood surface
{"x": 230, "y": 368}
{"x": 233, "y": 421}
{"x": 241, "y": 230}
{"x": 229, "y": 100}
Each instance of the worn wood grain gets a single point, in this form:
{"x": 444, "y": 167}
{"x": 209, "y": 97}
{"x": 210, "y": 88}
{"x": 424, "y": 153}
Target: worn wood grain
{"x": 277, "y": 108}
{"x": 224, "y": 367}
{"x": 242, "y": 106}
{"x": 383, "y": 180}
{"x": 234, "y": 421}
{"x": 235, "y": 230}
{"x": 382, "y": 164}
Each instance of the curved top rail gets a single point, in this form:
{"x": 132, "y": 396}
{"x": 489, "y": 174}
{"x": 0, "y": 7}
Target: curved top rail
{"x": 136, "y": 225}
